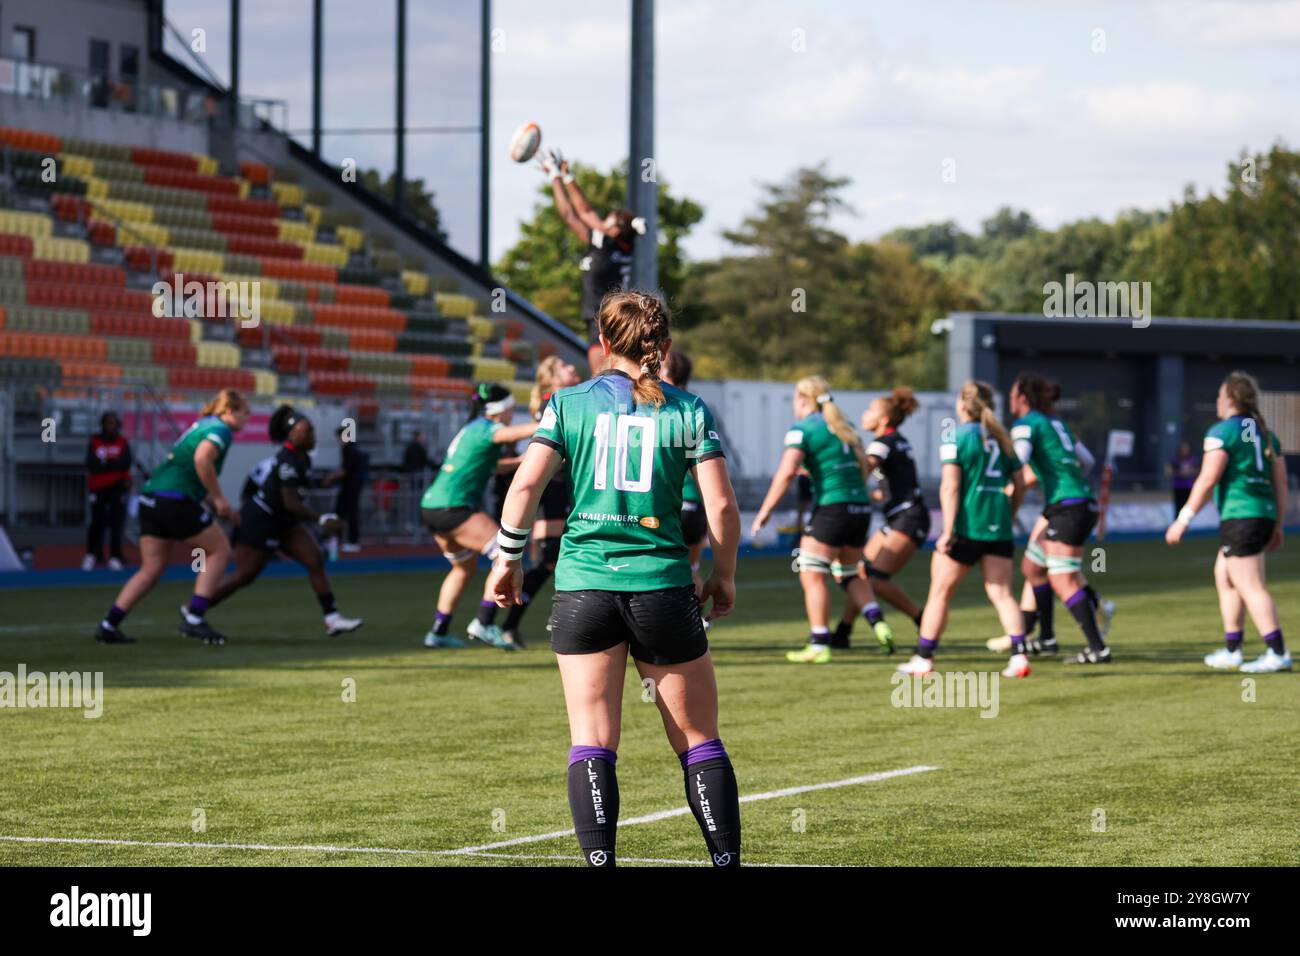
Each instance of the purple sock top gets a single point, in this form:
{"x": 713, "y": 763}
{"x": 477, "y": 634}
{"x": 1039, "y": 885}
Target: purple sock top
{"x": 1040, "y": 588}
{"x": 487, "y": 603}
{"x": 709, "y": 750}
{"x": 1076, "y": 597}
{"x": 1233, "y": 635}
{"x": 199, "y": 604}
{"x": 442, "y": 616}
{"x": 584, "y": 752}
{"x": 1273, "y": 635}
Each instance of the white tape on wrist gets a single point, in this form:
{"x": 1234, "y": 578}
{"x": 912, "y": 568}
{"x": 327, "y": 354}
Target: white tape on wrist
{"x": 326, "y": 519}
{"x": 511, "y": 542}
{"x": 1185, "y": 516}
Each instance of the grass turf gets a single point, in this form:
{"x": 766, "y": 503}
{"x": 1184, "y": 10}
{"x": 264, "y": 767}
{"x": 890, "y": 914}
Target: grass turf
{"x": 447, "y": 749}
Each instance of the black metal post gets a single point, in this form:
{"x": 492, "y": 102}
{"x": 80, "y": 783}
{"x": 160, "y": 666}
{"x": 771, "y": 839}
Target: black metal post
{"x": 484, "y": 138}
{"x": 317, "y": 31}
{"x": 399, "y": 171}
{"x": 642, "y": 175}
{"x": 234, "y": 63}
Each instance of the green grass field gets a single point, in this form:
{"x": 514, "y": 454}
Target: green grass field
{"x": 440, "y": 746}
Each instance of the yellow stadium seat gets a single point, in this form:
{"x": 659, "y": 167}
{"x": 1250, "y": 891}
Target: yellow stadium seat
{"x": 416, "y": 283}
{"x": 32, "y": 224}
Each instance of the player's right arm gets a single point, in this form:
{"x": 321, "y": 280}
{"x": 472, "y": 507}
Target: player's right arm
{"x": 509, "y": 434}
{"x": 563, "y": 205}
{"x": 791, "y": 459}
{"x": 205, "y": 466}
{"x": 519, "y": 511}
{"x": 577, "y": 197}
{"x": 1214, "y": 462}
{"x": 1279, "y": 493}
{"x": 723, "y": 514}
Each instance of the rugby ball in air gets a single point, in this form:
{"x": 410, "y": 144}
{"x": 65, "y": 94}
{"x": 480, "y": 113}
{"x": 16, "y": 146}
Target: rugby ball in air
{"x": 523, "y": 145}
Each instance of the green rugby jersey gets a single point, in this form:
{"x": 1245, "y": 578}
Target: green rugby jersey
{"x": 984, "y": 513}
{"x": 627, "y": 464}
{"x": 176, "y": 474}
{"x": 471, "y": 462}
{"x": 1051, "y": 455}
{"x": 1246, "y": 488}
{"x": 836, "y": 475}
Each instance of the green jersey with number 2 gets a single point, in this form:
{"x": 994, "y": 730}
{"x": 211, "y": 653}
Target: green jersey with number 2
{"x": 984, "y": 512}
{"x": 627, "y": 464}
{"x": 1246, "y": 488}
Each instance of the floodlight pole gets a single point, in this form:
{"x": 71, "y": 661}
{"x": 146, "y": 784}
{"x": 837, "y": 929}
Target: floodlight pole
{"x": 484, "y": 129}
{"x": 642, "y": 173}
{"x": 234, "y": 64}
{"x": 399, "y": 170}
{"x": 317, "y": 29}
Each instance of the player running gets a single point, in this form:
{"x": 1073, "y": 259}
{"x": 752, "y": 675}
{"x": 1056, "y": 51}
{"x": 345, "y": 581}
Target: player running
{"x": 624, "y": 577}
{"x": 1053, "y": 561}
{"x": 177, "y": 504}
{"x": 553, "y": 374}
{"x": 978, "y": 464}
{"x": 1243, "y": 465}
{"x": 823, "y": 441}
{"x": 907, "y": 518}
{"x": 452, "y": 508}
{"x": 676, "y": 371}
{"x": 274, "y": 517}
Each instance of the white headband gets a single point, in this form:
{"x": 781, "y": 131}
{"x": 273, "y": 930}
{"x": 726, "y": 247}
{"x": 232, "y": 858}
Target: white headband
{"x": 823, "y": 398}
{"x": 497, "y": 407}
{"x": 639, "y": 225}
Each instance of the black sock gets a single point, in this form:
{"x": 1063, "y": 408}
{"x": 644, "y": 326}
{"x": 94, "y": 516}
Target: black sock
{"x": 533, "y": 581}
{"x": 441, "y": 623}
{"x": 920, "y": 613}
{"x": 115, "y": 616}
{"x": 487, "y": 612}
{"x": 198, "y": 606}
{"x": 1082, "y": 609}
{"x": 1274, "y": 641}
{"x": 1092, "y": 595}
{"x": 327, "y": 605}
{"x": 714, "y": 800}
{"x": 593, "y": 801}
{"x": 843, "y": 631}
{"x": 1031, "y": 620}
{"x": 1046, "y": 603}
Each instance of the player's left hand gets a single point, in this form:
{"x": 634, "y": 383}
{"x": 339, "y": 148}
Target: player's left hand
{"x": 723, "y": 592}
{"x": 1175, "y": 533}
{"x": 506, "y": 583}
{"x": 1275, "y": 542}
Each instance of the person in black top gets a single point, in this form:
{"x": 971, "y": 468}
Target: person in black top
{"x": 108, "y": 479}
{"x": 274, "y": 517}
{"x": 907, "y": 517}
{"x": 351, "y": 478}
{"x": 607, "y": 260}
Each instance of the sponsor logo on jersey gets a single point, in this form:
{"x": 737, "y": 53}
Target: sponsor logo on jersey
{"x": 616, "y": 567}
{"x": 650, "y": 522}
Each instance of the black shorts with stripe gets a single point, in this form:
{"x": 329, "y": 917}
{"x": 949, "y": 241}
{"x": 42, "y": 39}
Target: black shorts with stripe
{"x": 841, "y": 525}
{"x": 1245, "y": 537}
{"x": 176, "y": 519}
{"x": 660, "y": 627}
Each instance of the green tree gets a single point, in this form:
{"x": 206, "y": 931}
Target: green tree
{"x": 542, "y": 265}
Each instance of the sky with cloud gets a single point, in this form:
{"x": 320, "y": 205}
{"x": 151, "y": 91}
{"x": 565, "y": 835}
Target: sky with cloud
{"x": 1066, "y": 108}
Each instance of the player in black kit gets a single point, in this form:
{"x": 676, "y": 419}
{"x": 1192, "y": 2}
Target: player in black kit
{"x": 907, "y": 517}
{"x": 607, "y": 260}
{"x": 273, "y": 518}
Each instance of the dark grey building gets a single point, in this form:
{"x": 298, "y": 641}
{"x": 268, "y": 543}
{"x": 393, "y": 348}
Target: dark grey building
{"x": 1159, "y": 381}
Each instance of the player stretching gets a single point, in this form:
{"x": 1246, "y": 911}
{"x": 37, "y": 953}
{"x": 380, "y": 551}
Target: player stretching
{"x": 624, "y": 578}
{"x": 1243, "y": 465}
{"x": 978, "y": 463}
{"x": 174, "y": 506}
{"x": 824, "y": 442}
{"x": 907, "y": 518}
{"x": 452, "y": 509}
{"x": 553, "y": 374}
{"x": 608, "y": 244}
{"x": 1053, "y": 561}
{"x": 677, "y": 372}
{"x": 274, "y": 518}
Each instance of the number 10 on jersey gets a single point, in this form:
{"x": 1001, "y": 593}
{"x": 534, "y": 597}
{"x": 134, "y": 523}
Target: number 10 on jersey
{"x": 632, "y": 433}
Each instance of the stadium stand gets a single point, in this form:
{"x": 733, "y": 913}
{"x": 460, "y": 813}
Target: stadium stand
{"x": 89, "y": 228}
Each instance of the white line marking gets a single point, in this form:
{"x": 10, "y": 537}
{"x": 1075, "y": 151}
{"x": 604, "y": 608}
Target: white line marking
{"x": 680, "y": 811}
{"x": 636, "y": 859}
{"x": 485, "y": 848}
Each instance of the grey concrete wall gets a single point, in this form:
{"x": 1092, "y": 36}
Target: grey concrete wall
{"x": 73, "y": 119}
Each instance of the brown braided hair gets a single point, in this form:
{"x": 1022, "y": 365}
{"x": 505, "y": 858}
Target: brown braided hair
{"x": 636, "y": 325}
{"x": 1243, "y": 391}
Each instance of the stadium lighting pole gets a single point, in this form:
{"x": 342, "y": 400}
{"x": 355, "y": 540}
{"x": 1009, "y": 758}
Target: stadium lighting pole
{"x": 642, "y": 174}
{"x": 234, "y": 64}
{"x": 484, "y": 122}
{"x": 317, "y": 31}
{"x": 399, "y": 172}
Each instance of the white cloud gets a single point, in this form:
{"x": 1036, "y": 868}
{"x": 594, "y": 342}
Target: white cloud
{"x": 1218, "y": 23}
{"x": 1147, "y": 110}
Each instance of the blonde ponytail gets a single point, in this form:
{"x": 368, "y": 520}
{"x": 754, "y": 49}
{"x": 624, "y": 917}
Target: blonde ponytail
{"x": 544, "y": 384}
{"x": 226, "y": 400}
{"x": 977, "y": 402}
{"x": 818, "y": 391}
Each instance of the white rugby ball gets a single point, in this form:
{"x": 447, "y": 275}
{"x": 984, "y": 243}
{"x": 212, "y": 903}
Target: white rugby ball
{"x": 523, "y": 145}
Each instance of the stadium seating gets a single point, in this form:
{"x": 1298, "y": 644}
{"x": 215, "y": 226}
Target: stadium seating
{"x": 96, "y": 225}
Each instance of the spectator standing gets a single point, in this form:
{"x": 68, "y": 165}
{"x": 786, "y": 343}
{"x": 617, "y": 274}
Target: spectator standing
{"x": 108, "y": 480}
{"x": 1183, "y": 469}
